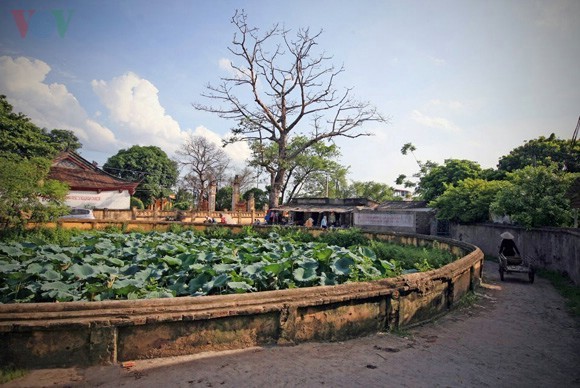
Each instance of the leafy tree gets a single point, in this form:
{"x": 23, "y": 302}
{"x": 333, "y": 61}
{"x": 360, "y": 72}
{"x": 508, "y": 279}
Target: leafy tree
{"x": 543, "y": 152}
{"x": 468, "y": 200}
{"x": 375, "y": 191}
{"x": 223, "y": 198}
{"x": 281, "y": 87}
{"x": 536, "y": 196}
{"x": 137, "y": 203}
{"x": 64, "y": 140}
{"x": 204, "y": 162}
{"x": 148, "y": 164}
{"x": 331, "y": 183}
{"x": 433, "y": 183}
{"x": 309, "y": 172}
{"x": 260, "y": 197}
{"x": 25, "y": 156}
{"x": 26, "y": 194}
{"x": 20, "y": 138}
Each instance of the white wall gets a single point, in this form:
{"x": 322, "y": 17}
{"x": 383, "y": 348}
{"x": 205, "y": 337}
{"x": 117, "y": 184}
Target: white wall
{"x": 103, "y": 200}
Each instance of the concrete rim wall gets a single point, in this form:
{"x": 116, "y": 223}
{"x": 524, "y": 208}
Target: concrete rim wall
{"x": 89, "y": 333}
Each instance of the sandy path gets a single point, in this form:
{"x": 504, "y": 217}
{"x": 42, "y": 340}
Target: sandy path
{"x": 515, "y": 335}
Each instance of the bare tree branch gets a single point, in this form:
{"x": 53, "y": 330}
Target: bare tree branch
{"x": 280, "y": 84}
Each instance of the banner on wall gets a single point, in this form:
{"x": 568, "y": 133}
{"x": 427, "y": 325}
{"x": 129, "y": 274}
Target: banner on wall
{"x": 103, "y": 200}
{"x": 402, "y": 220}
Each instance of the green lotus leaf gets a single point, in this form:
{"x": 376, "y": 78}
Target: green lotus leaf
{"x": 171, "y": 261}
{"x": 216, "y": 282}
{"x": 323, "y": 254}
{"x": 11, "y": 250}
{"x": 82, "y": 271}
{"x": 307, "y": 262}
{"x": 342, "y": 265}
{"x": 305, "y": 274}
{"x": 221, "y": 268}
{"x": 198, "y": 282}
{"x": 11, "y": 266}
{"x": 240, "y": 287}
{"x": 59, "y": 291}
{"x": 253, "y": 269}
{"x": 50, "y": 275}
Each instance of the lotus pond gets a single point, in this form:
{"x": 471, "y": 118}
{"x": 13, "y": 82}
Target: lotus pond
{"x": 95, "y": 266}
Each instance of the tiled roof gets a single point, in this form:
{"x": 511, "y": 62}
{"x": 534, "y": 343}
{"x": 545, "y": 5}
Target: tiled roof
{"x": 80, "y": 174}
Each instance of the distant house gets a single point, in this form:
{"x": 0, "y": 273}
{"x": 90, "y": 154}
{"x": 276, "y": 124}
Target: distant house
{"x": 397, "y": 216}
{"x": 90, "y": 187}
{"x": 402, "y": 193}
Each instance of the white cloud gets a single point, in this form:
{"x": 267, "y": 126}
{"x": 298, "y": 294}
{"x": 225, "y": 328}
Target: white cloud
{"x": 133, "y": 105}
{"x": 434, "y": 122}
{"x": 239, "y": 152}
{"x": 49, "y": 105}
{"x": 227, "y": 65}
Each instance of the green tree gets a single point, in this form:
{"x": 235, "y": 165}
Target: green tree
{"x": 468, "y": 201}
{"x": 64, "y": 140}
{"x": 543, "y": 152}
{"x": 260, "y": 197}
{"x": 282, "y": 87}
{"x": 20, "y": 138}
{"x": 223, "y": 198}
{"x": 149, "y": 165}
{"x": 536, "y": 196}
{"x": 433, "y": 183}
{"x": 26, "y": 194}
{"x": 26, "y": 152}
{"x": 375, "y": 191}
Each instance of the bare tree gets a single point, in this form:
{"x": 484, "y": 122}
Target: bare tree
{"x": 281, "y": 87}
{"x": 204, "y": 161}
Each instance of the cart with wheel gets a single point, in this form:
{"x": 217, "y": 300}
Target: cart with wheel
{"x": 516, "y": 264}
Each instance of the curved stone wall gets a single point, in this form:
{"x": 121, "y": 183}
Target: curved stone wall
{"x": 89, "y": 333}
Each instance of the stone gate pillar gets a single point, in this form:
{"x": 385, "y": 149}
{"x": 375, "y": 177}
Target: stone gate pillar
{"x": 236, "y": 193}
{"x": 212, "y": 195}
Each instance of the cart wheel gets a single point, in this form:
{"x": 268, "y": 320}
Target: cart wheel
{"x": 501, "y": 272}
{"x": 531, "y": 276}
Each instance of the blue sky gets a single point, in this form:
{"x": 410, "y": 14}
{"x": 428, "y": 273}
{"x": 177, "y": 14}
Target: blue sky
{"x": 459, "y": 79}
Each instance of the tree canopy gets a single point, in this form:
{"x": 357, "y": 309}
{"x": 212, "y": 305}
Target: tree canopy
{"x": 148, "y": 165}
{"x": 26, "y": 152}
{"x": 433, "y": 183}
{"x": 468, "y": 200}
{"x": 375, "y": 191}
{"x": 543, "y": 151}
{"x": 281, "y": 86}
{"x": 20, "y": 138}
{"x": 536, "y": 196}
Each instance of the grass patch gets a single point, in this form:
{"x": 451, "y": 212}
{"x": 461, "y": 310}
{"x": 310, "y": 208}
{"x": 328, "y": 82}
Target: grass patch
{"x": 566, "y": 288}
{"x": 10, "y": 373}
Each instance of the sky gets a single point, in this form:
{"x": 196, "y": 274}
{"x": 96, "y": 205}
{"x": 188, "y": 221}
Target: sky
{"x": 458, "y": 79}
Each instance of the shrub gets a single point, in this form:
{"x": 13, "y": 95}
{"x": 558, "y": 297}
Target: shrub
{"x": 137, "y": 203}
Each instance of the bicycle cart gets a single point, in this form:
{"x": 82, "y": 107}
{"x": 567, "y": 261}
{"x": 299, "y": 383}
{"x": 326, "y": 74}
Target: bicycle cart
{"x": 516, "y": 264}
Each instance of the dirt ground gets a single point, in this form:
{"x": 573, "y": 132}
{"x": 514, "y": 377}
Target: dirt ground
{"x": 515, "y": 334}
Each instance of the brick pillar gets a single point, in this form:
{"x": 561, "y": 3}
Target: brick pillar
{"x": 251, "y": 205}
{"x": 236, "y": 193}
{"x": 212, "y": 195}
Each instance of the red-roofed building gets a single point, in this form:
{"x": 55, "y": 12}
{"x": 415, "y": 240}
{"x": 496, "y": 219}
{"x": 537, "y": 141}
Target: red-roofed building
{"x": 90, "y": 187}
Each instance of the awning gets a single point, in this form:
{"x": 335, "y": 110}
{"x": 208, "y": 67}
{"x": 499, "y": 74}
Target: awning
{"x": 314, "y": 209}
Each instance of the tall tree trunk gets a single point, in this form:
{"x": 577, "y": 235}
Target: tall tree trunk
{"x": 277, "y": 182}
